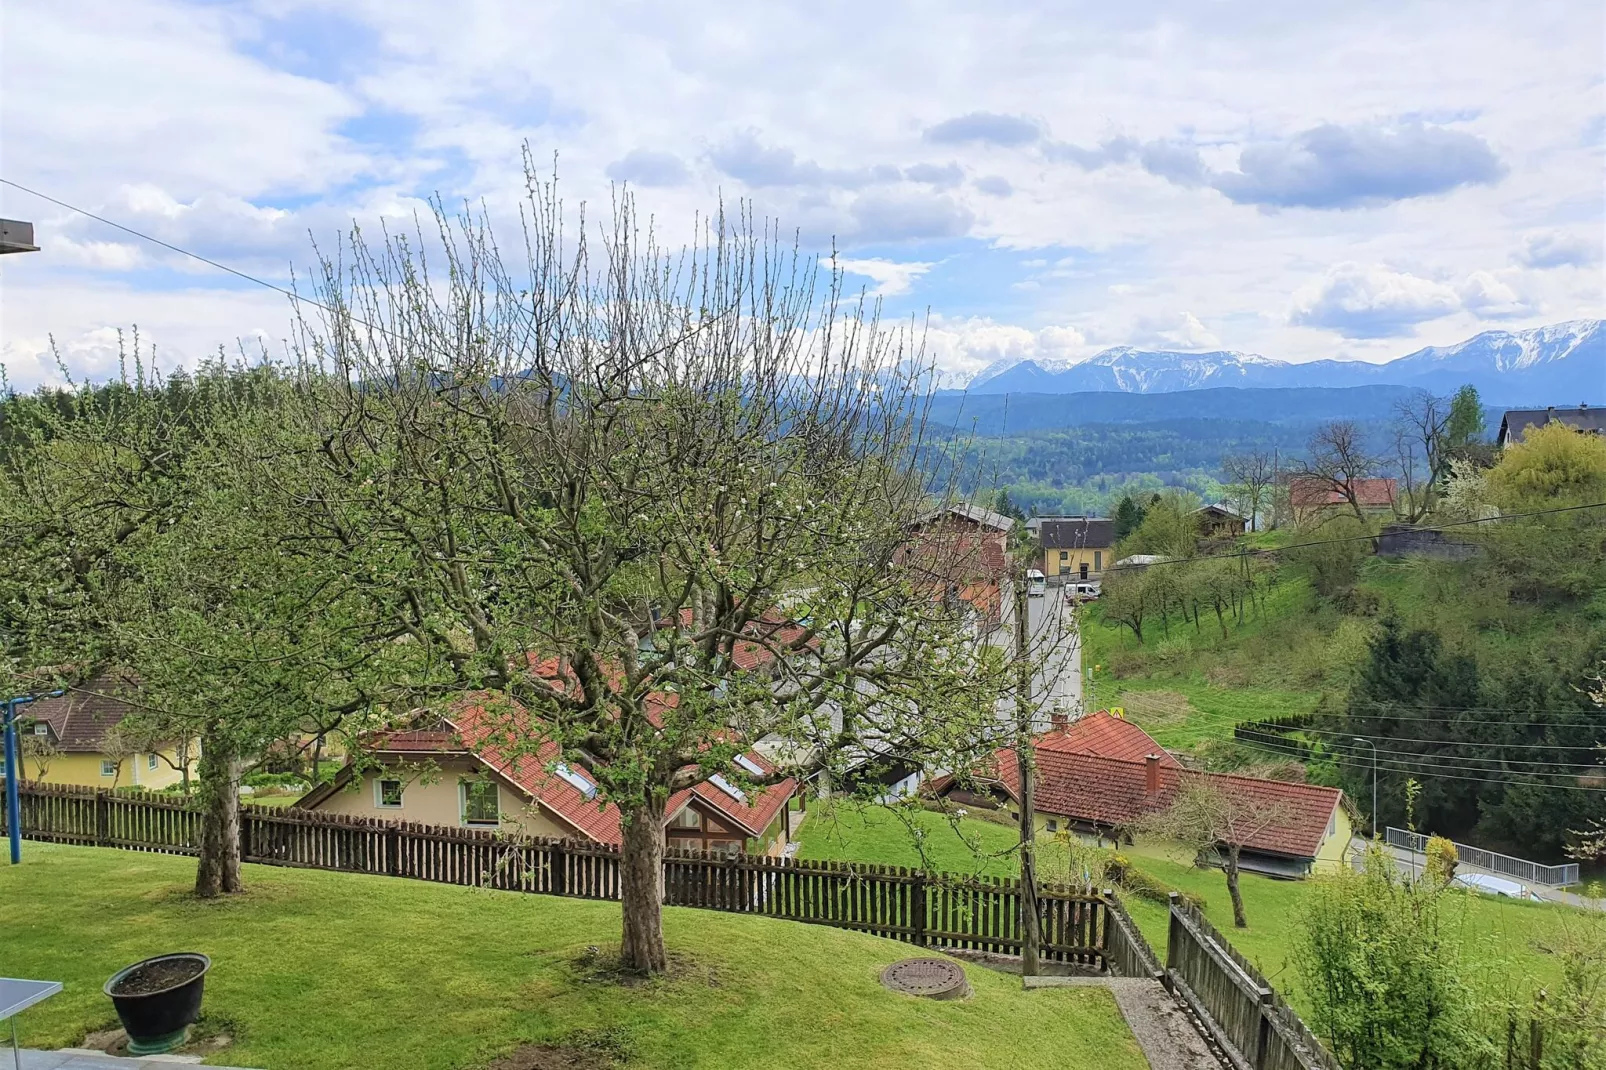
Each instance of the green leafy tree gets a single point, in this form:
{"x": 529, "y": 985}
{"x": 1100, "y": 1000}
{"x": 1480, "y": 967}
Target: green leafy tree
{"x": 1128, "y": 517}
{"x": 653, "y": 502}
{"x": 1465, "y": 426}
{"x": 1378, "y": 957}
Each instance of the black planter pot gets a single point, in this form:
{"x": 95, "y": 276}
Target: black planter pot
{"x": 159, "y": 1021}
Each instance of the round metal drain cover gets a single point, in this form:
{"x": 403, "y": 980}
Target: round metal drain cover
{"x": 931, "y": 978}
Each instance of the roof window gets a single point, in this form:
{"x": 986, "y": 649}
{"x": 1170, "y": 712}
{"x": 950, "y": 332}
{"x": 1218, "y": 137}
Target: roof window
{"x": 728, "y": 788}
{"x": 576, "y": 780}
{"x": 748, "y": 764}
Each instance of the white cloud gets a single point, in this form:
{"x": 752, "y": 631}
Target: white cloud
{"x": 1180, "y": 330}
{"x": 1554, "y": 249}
{"x": 1486, "y": 295}
{"x": 891, "y": 277}
{"x": 239, "y": 128}
{"x": 1371, "y": 301}
{"x": 961, "y": 348}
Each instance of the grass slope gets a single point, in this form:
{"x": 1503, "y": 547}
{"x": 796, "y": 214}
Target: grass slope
{"x": 1508, "y": 944}
{"x": 325, "y": 970}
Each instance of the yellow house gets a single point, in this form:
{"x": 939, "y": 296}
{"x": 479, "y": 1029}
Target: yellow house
{"x": 1081, "y": 547}
{"x": 76, "y": 738}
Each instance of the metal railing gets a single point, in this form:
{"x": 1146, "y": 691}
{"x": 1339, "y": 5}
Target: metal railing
{"x": 1493, "y": 861}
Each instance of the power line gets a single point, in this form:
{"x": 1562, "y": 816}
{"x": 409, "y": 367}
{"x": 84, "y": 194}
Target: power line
{"x": 1344, "y": 747}
{"x": 1363, "y": 758}
{"x": 205, "y": 260}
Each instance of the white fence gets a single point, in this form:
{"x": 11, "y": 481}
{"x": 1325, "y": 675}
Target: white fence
{"x": 1493, "y": 861}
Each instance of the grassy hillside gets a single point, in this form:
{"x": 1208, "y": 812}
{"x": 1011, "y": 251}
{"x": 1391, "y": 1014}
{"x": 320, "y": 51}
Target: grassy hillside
{"x": 1508, "y": 944}
{"x": 319, "y": 970}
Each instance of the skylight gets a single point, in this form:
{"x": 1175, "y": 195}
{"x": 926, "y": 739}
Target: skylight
{"x": 747, "y": 763}
{"x": 728, "y": 788}
{"x": 585, "y": 787}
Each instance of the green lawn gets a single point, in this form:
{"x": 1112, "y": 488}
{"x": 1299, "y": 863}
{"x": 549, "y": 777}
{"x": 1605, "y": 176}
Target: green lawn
{"x": 324, "y": 970}
{"x": 1507, "y": 943}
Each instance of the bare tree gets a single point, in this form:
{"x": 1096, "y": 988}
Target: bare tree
{"x": 1421, "y": 450}
{"x": 1216, "y": 821}
{"x": 39, "y": 752}
{"x": 1249, "y": 480}
{"x": 1338, "y": 460}
{"x": 651, "y": 501}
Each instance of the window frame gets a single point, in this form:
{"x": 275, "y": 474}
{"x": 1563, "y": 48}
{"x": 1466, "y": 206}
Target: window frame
{"x": 112, "y": 763}
{"x": 379, "y": 793}
{"x": 41, "y": 729}
{"x": 466, "y": 788}
{"x": 152, "y": 762}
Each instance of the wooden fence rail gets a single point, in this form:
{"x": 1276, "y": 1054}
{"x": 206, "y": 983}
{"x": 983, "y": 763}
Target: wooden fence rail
{"x": 931, "y": 910}
{"x": 1256, "y": 1029}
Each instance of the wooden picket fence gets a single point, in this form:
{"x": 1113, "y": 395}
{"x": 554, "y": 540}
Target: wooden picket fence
{"x": 1245, "y": 1015}
{"x": 944, "y": 911}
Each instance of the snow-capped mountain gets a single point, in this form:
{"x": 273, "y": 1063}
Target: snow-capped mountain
{"x": 1561, "y": 362}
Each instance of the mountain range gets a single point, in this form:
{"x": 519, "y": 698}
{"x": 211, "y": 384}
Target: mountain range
{"x": 1564, "y": 363}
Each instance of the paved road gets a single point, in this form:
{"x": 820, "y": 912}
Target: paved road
{"x": 1053, "y": 639}
{"x": 1414, "y": 864}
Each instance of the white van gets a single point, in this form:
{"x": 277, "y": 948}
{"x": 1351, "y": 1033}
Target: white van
{"x": 1036, "y": 583}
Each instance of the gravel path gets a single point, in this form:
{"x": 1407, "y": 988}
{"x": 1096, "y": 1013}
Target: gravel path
{"x": 1164, "y": 1032}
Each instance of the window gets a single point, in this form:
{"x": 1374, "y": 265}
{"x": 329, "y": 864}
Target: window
{"x": 41, "y": 729}
{"x": 108, "y": 767}
{"x": 388, "y": 794}
{"x": 1065, "y": 555}
{"x": 687, "y": 819}
{"x": 748, "y": 764}
{"x": 578, "y": 780}
{"x": 728, "y": 788}
{"x": 1098, "y": 560}
{"x": 1053, "y": 826}
{"x": 481, "y": 806}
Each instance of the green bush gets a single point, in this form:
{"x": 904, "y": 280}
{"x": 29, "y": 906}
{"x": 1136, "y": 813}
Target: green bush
{"x": 275, "y": 780}
{"x": 1144, "y": 886}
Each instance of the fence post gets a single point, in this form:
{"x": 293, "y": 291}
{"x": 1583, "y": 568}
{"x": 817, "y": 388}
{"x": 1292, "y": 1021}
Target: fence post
{"x": 1172, "y": 940}
{"x": 393, "y": 850}
{"x": 102, "y": 819}
{"x": 555, "y": 867}
{"x": 245, "y": 833}
{"x": 1257, "y": 1059}
{"x": 918, "y": 908}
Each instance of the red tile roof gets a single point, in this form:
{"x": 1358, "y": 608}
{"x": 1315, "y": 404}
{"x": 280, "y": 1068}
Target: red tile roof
{"x": 1114, "y": 793}
{"x": 1370, "y": 493}
{"x": 1104, "y": 735}
{"x": 472, "y": 729}
{"x": 81, "y": 718}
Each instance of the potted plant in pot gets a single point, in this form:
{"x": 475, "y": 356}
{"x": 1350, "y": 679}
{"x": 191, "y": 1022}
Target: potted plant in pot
{"x": 158, "y": 999}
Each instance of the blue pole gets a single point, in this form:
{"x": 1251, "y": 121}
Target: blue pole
{"x": 13, "y": 800}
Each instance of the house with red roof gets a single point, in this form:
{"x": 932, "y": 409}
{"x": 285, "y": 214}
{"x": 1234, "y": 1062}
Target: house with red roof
{"x": 963, "y": 550}
{"x": 462, "y": 772}
{"x": 1101, "y": 780}
{"x": 1314, "y": 499}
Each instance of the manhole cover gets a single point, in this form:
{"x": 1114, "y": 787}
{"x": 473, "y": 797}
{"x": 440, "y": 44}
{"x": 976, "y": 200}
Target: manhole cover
{"x": 932, "y": 978}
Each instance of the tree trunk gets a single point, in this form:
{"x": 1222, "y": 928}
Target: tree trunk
{"x": 218, "y": 872}
{"x": 641, "y": 890}
{"x": 1239, "y": 920}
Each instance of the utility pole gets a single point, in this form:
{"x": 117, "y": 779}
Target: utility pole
{"x": 13, "y": 755}
{"x": 1369, "y": 743}
{"x": 1025, "y": 764}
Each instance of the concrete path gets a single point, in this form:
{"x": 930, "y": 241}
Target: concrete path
{"x": 84, "y": 1059}
{"x": 1162, "y": 1028}
{"x": 1413, "y": 864}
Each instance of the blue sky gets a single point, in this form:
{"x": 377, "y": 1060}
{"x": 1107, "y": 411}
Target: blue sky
{"x": 1282, "y": 179}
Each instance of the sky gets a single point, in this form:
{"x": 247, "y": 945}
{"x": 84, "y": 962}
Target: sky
{"x": 1348, "y": 181}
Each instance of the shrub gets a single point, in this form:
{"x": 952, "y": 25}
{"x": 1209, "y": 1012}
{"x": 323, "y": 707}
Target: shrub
{"x": 1145, "y": 886}
{"x": 1442, "y": 858}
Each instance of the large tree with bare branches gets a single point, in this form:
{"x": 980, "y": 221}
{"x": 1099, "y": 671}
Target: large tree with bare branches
{"x": 652, "y": 500}
{"x": 1216, "y": 821}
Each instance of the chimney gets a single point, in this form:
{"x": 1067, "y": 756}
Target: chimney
{"x": 1060, "y": 722}
{"x": 1151, "y": 774}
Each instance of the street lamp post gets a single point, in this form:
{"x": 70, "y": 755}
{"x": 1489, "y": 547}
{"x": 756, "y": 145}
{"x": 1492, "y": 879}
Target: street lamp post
{"x": 1369, "y": 743}
{"x": 13, "y": 796}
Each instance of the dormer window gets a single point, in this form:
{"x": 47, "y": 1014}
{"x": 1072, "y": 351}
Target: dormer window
{"x": 748, "y": 764}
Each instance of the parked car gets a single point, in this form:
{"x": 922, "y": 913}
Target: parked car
{"x": 1492, "y": 885}
{"x": 1036, "y": 583}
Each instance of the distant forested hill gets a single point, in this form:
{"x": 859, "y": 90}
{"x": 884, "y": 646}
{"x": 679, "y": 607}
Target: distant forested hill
{"x": 1013, "y": 414}
{"x": 1081, "y": 452}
